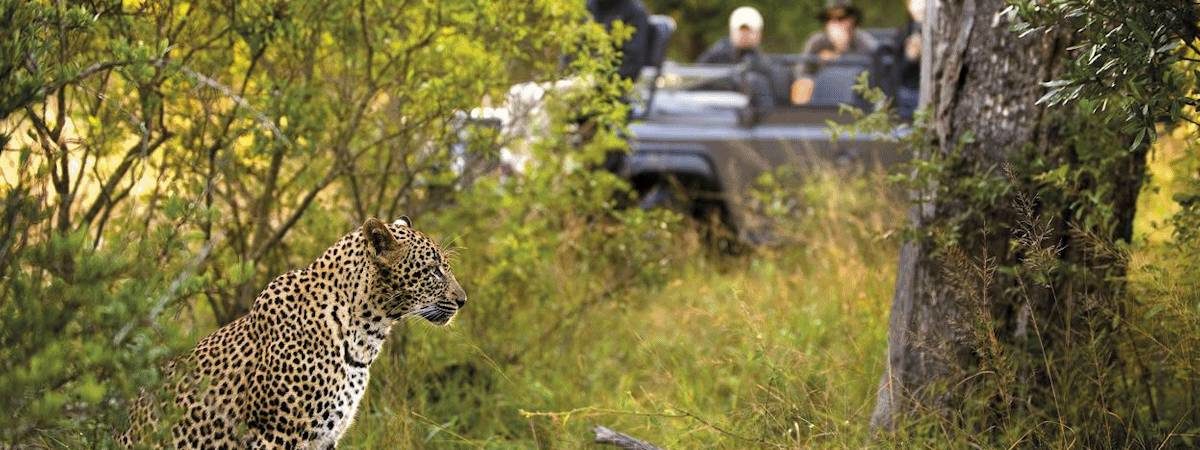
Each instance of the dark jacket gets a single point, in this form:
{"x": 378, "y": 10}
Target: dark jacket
{"x": 635, "y": 51}
{"x": 723, "y": 52}
{"x": 908, "y": 72}
{"x": 759, "y": 79}
{"x": 861, "y": 43}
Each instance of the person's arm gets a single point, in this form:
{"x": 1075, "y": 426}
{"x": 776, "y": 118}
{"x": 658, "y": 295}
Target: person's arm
{"x": 715, "y": 54}
{"x": 810, "y": 44}
{"x": 910, "y": 47}
{"x": 812, "y": 47}
{"x": 866, "y": 42}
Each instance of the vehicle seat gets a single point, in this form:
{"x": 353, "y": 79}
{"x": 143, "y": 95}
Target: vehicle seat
{"x": 834, "y": 85}
{"x": 781, "y": 78}
{"x": 661, "y": 29}
{"x": 884, "y": 69}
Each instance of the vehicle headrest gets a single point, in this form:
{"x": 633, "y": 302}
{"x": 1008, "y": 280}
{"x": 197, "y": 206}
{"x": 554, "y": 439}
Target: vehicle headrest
{"x": 835, "y": 85}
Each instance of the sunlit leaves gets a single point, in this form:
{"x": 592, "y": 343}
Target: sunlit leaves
{"x": 1131, "y": 55}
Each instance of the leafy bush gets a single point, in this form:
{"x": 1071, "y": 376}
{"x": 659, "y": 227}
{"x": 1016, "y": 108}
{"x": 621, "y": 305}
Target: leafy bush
{"x": 159, "y": 157}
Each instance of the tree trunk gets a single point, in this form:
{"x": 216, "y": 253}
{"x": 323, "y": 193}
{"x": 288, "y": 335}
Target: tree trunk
{"x": 955, "y": 318}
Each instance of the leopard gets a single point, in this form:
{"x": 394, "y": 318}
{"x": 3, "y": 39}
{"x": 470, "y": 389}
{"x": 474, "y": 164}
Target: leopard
{"x": 291, "y": 372}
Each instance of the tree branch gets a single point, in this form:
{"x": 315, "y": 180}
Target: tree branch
{"x": 607, "y": 436}
{"x": 105, "y": 196}
{"x": 296, "y": 214}
{"x": 240, "y": 101}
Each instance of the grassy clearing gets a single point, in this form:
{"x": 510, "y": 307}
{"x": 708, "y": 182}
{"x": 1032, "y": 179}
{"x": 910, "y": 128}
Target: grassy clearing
{"x": 782, "y": 347}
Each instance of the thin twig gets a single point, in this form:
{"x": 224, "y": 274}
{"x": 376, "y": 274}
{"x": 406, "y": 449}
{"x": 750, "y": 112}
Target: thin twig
{"x": 241, "y": 101}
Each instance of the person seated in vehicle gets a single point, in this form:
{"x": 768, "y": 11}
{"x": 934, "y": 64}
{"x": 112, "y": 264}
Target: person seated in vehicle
{"x": 742, "y": 47}
{"x": 635, "y": 53}
{"x": 745, "y": 35}
{"x": 908, "y": 59}
{"x": 631, "y": 13}
{"x": 839, "y": 35}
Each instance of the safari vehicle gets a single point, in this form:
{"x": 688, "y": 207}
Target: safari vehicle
{"x": 699, "y": 148}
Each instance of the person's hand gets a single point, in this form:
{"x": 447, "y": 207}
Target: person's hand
{"x": 912, "y": 47}
{"x": 802, "y": 90}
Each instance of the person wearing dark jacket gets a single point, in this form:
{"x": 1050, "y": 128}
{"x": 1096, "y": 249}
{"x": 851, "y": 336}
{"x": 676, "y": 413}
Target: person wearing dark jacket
{"x": 745, "y": 35}
{"x": 741, "y": 47}
{"x": 839, "y": 35}
{"x": 632, "y": 13}
{"x": 908, "y": 60}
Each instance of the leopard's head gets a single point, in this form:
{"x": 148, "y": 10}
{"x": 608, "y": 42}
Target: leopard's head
{"x": 411, "y": 273}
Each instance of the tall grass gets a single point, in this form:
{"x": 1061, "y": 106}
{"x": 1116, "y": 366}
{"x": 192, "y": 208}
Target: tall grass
{"x": 1124, "y": 366}
{"x": 781, "y": 347}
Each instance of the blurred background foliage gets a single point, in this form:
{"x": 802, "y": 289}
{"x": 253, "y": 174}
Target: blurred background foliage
{"x": 786, "y": 24}
{"x": 163, "y": 160}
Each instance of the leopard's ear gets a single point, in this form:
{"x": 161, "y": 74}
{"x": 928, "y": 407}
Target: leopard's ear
{"x": 403, "y": 221}
{"x": 380, "y": 241}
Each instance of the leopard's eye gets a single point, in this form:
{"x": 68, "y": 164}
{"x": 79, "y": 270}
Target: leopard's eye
{"x": 437, "y": 273}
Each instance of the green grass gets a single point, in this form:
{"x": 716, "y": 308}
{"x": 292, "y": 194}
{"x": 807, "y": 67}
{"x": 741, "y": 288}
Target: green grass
{"x": 782, "y": 347}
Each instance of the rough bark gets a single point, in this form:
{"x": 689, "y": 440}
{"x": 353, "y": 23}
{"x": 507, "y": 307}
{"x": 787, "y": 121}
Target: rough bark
{"x": 980, "y": 78}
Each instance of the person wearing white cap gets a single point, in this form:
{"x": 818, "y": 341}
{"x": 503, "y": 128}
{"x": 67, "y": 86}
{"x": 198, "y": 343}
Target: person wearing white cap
{"x": 745, "y": 34}
{"x": 741, "y": 48}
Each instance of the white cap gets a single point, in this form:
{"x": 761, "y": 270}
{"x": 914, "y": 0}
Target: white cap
{"x": 745, "y": 16}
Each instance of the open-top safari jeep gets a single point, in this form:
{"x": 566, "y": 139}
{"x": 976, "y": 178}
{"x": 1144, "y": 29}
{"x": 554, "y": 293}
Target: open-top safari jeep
{"x": 699, "y": 141}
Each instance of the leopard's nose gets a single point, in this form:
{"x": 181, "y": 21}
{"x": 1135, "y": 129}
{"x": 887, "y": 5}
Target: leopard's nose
{"x": 460, "y": 301}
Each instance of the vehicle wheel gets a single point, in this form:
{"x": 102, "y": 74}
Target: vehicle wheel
{"x": 707, "y": 218}
{"x": 666, "y": 194}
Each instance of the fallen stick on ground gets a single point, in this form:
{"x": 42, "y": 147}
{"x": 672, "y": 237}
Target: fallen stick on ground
{"x": 605, "y": 435}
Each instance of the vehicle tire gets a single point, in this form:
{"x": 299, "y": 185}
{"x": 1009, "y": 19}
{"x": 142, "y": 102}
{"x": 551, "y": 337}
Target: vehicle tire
{"x": 707, "y": 218}
{"x": 666, "y": 194}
